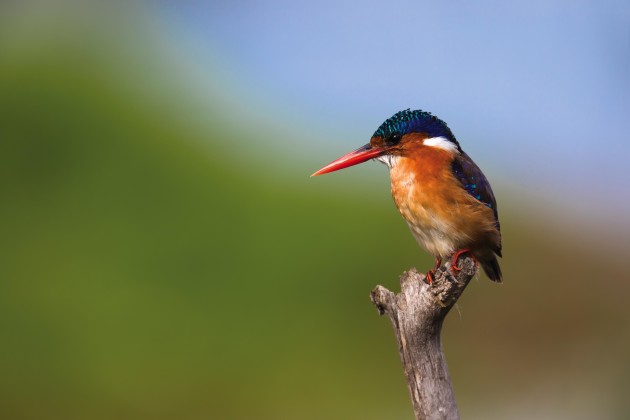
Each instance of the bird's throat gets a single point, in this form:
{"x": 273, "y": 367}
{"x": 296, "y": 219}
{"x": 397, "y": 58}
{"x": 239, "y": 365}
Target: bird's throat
{"x": 389, "y": 160}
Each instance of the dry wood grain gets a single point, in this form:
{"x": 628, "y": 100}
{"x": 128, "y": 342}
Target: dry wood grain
{"x": 417, "y": 314}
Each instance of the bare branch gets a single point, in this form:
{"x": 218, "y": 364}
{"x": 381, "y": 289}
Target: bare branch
{"x": 417, "y": 314}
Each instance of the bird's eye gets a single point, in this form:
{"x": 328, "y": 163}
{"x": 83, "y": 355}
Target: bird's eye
{"x": 394, "y": 139}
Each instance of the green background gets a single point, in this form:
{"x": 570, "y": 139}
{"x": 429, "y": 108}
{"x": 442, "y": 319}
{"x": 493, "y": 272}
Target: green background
{"x": 167, "y": 256}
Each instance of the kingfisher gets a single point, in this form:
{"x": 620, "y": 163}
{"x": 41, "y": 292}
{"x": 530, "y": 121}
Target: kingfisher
{"x": 440, "y": 192}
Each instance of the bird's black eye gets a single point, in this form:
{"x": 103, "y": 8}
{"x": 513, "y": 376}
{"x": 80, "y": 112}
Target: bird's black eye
{"x": 394, "y": 139}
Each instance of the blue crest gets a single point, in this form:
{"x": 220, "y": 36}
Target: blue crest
{"x": 417, "y": 121}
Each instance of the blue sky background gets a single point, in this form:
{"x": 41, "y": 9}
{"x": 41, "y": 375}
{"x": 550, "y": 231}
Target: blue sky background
{"x": 539, "y": 91}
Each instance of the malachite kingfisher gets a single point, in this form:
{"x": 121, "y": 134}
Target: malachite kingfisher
{"x": 440, "y": 192}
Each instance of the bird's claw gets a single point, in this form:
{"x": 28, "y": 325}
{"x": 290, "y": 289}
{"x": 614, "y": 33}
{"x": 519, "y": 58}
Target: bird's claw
{"x": 431, "y": 273}
{"x": 456, "y": 256}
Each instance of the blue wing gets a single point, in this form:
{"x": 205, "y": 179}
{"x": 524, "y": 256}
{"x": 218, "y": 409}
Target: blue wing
{"x": 475, "y": 182}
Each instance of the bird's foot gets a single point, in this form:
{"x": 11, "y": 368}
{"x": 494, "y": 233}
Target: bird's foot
{"x": 431, "y": 273}
{"x": 458, "y": 254}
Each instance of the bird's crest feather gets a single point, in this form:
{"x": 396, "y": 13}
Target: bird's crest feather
{"x": 417, "y": 121}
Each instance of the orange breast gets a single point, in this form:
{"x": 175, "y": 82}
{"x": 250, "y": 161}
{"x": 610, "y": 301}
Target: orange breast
{"x": 442, "y": 216}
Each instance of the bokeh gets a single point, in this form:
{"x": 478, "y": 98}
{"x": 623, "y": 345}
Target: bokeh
{"x": 165, "y": 255}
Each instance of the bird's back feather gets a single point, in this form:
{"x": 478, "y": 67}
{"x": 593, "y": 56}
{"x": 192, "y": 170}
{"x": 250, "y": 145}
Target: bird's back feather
{"x": 476, "y": 184}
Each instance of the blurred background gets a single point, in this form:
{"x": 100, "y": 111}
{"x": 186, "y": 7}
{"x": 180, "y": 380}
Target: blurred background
{"x": 165, "y": 255}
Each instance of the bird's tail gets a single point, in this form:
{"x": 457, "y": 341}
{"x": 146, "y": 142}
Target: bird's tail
{"x": 492, "y": 269}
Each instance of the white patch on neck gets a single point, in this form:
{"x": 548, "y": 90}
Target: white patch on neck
{"x": 389, "y": 160}
{"x": 441, "y": 143}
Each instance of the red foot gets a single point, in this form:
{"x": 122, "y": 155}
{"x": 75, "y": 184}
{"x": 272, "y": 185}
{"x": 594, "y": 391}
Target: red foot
{"x": 431, "y": 273}
{"x": 456, "y": 257}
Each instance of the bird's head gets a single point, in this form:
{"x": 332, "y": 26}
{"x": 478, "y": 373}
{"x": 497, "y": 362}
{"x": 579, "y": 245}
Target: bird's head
{"x": 404, "y": 133}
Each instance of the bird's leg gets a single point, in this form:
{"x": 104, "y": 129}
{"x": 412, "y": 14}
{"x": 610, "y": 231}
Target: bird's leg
{"x": 456, "y": 257}
{"x": 431, "y": 273}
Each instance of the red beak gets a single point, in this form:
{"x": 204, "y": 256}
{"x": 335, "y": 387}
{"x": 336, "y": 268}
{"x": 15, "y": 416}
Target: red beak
{"x": 355, "y": 157}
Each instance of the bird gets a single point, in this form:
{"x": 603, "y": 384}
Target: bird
{"x": 438, "y": 189}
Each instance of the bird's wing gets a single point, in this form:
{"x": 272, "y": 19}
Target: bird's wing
{"x": 474, "y": 182}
